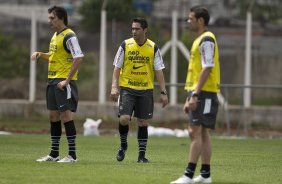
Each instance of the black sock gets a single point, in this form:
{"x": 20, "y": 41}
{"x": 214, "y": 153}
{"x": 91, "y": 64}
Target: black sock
{"x": 71, "y": 136}
{"x": 205, "y": 171}
{"x": 123, "y": 132}
{"x": 189, "y": 172}
{"x": 56, "y": 132}
{"x": 142, "y": 140}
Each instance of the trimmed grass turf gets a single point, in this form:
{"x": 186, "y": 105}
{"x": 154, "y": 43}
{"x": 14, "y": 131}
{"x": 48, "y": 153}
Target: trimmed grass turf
{"x": 242, "y": 161}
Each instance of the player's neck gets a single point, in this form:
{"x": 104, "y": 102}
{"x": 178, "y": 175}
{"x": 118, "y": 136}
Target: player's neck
{"x": 61, "y": 28}
{"x": 201, "y": 31}
{"x": 141, "y": 41}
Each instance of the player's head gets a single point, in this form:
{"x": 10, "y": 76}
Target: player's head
{"x": 139, "y": 29}
{"x": 143, "y": 22}
{"x": 201, "y": 12}
{"x": 60, "y": 12}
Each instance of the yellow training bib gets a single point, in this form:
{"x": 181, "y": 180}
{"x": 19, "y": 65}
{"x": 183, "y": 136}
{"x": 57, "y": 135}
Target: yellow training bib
{"x": 195, "y": 67}
{"x": 60, "y": 60}
{"x": 138, "y": 67}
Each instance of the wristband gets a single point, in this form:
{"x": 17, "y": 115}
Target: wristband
{"x": 164, "y": 92}
{"x": 194, "y": 94}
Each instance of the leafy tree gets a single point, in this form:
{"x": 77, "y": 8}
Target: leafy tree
{"x": 263, "y": 11}
{"x": 14, "y": 58}
{"x": 120, "y": 10}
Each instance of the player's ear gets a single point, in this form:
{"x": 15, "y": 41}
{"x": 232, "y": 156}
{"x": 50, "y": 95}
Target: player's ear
{"x": 145, "y": 30}
{"x": 201, "y": 21}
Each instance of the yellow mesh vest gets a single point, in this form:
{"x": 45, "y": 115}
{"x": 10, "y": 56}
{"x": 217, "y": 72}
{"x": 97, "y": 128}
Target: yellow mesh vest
{"x": 138, "y": 67}
{"x": 60, "y": 61}
{"x": 195, "y": 66}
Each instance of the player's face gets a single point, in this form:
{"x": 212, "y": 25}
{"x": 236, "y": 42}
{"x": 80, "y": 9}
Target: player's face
{"x": 137, "y": 31}
{"x": 193, "y": 22}
{"x": 54, "y": 21}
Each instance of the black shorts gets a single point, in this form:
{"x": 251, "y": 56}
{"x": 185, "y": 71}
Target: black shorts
{"x": 140, "y": 102}
{"x": 59, "y": 100}
{"x": 206, "y": 111}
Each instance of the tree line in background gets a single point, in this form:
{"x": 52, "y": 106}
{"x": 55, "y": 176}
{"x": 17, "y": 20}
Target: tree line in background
{"x": 265, "y": 11}
{"x": 15, "y": 57}
{"x": 12, "y": 57}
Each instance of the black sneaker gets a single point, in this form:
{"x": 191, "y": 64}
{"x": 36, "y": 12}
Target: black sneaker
{"x": 143, "y": 160}
{"x": 120, "y": 154}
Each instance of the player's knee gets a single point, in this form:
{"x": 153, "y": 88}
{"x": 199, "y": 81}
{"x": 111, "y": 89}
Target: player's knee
{"x": 194, "y": 133}
{"x": 66, "y": 116}
{"x": 142, "y": 122}
{"x": 124, "y": 120}
{"x": 54, "y": 117}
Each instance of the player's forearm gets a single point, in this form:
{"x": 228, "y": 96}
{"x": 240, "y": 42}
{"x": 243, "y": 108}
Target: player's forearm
{"x": 204, "y": 75}
{"x": 44, "y": 56}
{"x": 74, "y": 68}
{"x": 115, "y": 77}
{"x": 160, "y": 79}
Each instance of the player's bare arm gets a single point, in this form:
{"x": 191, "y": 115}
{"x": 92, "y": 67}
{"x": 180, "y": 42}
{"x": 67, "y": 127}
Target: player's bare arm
{"x": 202, "y": 80}
{"x": 40, "y": 55}
{"x": 74, "y": 68}
{"x": 186, "y": 106}
{"x": 114, "y": 89}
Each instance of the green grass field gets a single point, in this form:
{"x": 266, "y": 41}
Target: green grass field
{"x": 244, "y": 161}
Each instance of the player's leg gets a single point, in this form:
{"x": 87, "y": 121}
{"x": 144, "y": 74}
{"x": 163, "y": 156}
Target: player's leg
{"x": 123, "y": 133}
{"x": 206, "y": 147}
{"x": 56, "y": 132}
{"x": 194, "y": 154}
{"x": 144, "y": 112}
{"x": 195, "y": 133}
{"x": 209, "y": 119}
{"x": 126, "y": 106}
{"x": 70, "y": 130}
{"x": 55, "y": 125}
{"x": 142, "y": 137}
{"x": 123, "y": 130}
{"x": 206, "y": 158}
{"x": 195, "y": 149}
{"x": 67, "y": 101}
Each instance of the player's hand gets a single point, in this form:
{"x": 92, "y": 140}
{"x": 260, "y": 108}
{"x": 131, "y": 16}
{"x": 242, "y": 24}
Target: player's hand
{"x": 114, "y": 93}
{"x": 186, "y": 107}
{"x": 61, "y": 85}
{"x": 164, "y": 100}
{"x": 35, "y": 56}
{"x": 193, "y": 103}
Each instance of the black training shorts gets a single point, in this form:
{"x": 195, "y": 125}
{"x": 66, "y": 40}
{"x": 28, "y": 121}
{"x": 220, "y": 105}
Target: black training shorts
{"x": 59, "y": 100}
{"x": 206, "y": 111}
{"x": 140, "y": 102}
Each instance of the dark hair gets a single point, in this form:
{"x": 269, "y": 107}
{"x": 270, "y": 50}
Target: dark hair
{"x": 142, "y": 21}
{"x": 201, "y": 11}
{"x": 60, "y": 12}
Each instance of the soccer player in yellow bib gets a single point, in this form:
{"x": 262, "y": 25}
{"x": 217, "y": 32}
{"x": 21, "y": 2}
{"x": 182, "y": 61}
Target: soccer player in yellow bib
{"x": 64, "y": 58}
{"x": 202, "y": 84}
{"x": 137, "y": 61}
